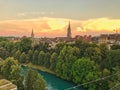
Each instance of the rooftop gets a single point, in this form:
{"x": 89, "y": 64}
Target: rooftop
{"x": 7, "y": 85}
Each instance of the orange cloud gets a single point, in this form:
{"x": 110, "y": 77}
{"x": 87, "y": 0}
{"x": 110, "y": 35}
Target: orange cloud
{"x": 53, "y": 27}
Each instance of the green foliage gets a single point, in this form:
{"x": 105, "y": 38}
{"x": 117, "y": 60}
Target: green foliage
{"x": 35, "y": 57}
{"x": 64, "y": 63}
{"x": 44, "y": 59}
{"x": 3, "y": 39}
{"x": 12, "y": 71}
{"x": 113, "y": 59}
{"x": 41, "y": 57}
{"x": 30, "y": 55}
{"x": 34, "y": 81}
{"x": 115, "y": 46}
{"x": 93, "y": 54}
{"x": 47, "y": 60}
{"x": 82, "y": 46}
{"x": 106, "y": 72}
{"x": 7, "y": 67}
{"x": 17, "y": 46}
{"x": 78, "y": 62}
{"x": 88, "y": 67}
{"x": 42, "y": 46}
{"x": 39, "y": 84}
{"x": 53, "y": 61}
{"x": 22, "y": 58}
{"x": 25, "y": 44}
{"x": 9, "y": 46}
{"x": 76, "y": 52}
{"x": 3, "y": 53}
{"x": 59, "y": 47}
{"x": 104, "y": 51}
{"x": 113, "y": 81}
{"x": 17, "y": 55}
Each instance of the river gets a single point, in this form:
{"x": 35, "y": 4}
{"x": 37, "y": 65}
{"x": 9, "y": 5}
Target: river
{"x": 53, "y": 82}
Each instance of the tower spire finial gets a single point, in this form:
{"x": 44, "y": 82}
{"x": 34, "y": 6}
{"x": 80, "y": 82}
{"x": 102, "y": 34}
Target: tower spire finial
{"x": 32, "y": 34}
{"x": 69, "y": 31}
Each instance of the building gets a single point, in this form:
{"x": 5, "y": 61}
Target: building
{"x": 109, "y": 39}
{"x": 114, "y": 38}
{"x": 32, "y": 35}
{"x": 69, "y": 35}
{"x": 84, "y": 38}
{"x": 34, "y": 40}
{"x": 13, "y": 39}
{"x": 103, "y": 39}
{"x": 7, "y": 85}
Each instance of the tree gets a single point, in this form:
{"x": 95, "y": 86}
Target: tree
{"x": 113, "y": 59}
{"x": 9, "y": 46}
{"x": 82, "y": 46}
{"x": 3, "y": 53}
{"x": 17, "y": 55}
{"x": 22, "y": 58}
{"x": 53, "y": 61}
{"x": 17, "y": 46}
{"x": 114, "y": 80}
{"x": 47, "y": 60}
{"x": 59, "y": 47}
{"x": 3, "y": 39}
{"x": 12, "y": 71}
{"x": 41, "y": 58}
{"x": 64, "y": 63}
{"x": 39, "y": 84}
{"x": 84, "y": 70}
{"x": 76, "y": 51}
{"x": 12, "y": 54}
{"x": 25, "y": 44}
{"x": 7, "y": 67}
{"x": 42, "y": 46}
{"x": 30, "y": 55}
{"x": 115, "y": 46}
{"x": 104, "y": 51}
{"x": 93, "y": 54}
{"x": 16, "y": 77}
{"x": 35, "y": 57}
{"x": 34, "y": 81}
{"x": 1, "y": 63}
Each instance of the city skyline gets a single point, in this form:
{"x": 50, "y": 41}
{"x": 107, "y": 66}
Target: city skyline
{"x": 50, "y": 18}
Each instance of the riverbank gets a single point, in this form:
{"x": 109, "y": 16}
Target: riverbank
{"x": 44, "y": 69}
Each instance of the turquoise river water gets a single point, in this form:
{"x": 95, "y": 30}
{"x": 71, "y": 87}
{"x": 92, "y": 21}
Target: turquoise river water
{"x": 53, "y": 82}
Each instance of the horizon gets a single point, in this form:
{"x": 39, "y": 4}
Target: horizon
{"x": 51, "y": 18}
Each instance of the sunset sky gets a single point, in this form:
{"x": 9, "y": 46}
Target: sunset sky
{"x": 50, "y": 18}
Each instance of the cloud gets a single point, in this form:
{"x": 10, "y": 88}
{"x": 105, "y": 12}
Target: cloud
{"x": 53, "y": 27}
{"x": 21, "y": 14}
{"x": 35, "y": 13}
{"x": 102, "y": 24}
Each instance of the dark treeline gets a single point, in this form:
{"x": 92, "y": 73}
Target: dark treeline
{"x": 78, "y": 62}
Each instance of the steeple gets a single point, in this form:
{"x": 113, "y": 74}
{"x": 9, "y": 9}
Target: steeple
{"x": 69, "y": 31}
{"x": 32, "y": 34}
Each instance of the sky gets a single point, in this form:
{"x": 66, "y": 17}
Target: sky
{"x": 50, "y": 18}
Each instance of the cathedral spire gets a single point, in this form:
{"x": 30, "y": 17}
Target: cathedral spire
{"x": 32, "y": 34}
{"x": 69, "y": 31}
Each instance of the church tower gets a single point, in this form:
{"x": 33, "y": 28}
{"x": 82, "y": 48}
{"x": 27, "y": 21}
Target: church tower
{"x": 69, "y": 31}
{"x": 32, "y": 34}
{"x": 32, "y": 38}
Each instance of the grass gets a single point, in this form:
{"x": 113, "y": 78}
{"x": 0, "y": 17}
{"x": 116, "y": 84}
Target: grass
{"x": 44, "y": 69}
